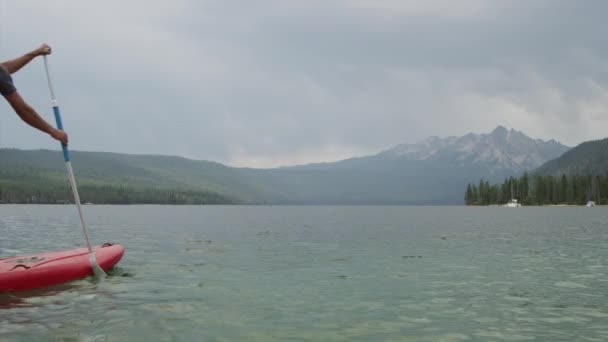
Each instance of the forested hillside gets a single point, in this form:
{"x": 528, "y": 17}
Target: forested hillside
{"x": 40, "y": 177}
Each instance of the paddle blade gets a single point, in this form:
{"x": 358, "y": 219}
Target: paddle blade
{"x": 97, "y": 270}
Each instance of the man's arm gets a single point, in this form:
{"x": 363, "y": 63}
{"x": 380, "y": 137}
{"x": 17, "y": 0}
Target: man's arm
{"x": 29, "y": 115}
{"x": 15, "y": 64}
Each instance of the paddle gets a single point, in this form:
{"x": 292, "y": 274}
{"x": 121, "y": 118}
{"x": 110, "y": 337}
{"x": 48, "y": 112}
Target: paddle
{"x": 66, "y": 156}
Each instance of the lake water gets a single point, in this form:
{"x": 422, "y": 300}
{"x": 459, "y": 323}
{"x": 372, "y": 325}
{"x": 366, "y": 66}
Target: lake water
{"x": 274, "y": 273}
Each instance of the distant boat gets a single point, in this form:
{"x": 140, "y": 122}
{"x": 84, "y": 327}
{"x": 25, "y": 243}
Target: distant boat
{"x": 512, "y": 204}
{"x": 591, "y": 204}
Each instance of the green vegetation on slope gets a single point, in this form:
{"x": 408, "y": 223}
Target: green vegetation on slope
{"x": 32, "y": 191}
{"x": 588, "y": 158}
{"x": 40, "y": 177}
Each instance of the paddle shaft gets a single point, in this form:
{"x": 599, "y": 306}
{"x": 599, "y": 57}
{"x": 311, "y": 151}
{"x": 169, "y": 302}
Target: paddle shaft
{"x": 68, "y": 164}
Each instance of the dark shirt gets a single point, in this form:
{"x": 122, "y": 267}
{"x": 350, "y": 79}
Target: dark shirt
{"x": 6, "y": 82}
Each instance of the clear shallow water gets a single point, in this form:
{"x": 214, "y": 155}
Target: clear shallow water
{"x": 318, "y": 274}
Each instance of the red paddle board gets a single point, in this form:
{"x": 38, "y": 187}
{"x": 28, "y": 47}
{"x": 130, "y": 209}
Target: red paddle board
{"x": 46, "y": 269}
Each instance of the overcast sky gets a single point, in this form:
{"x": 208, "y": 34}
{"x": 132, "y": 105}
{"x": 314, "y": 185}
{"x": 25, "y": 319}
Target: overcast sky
{"x": 268, "y": 83}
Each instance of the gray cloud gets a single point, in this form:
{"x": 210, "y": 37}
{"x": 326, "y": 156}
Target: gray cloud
{"x": 270, "y": 83}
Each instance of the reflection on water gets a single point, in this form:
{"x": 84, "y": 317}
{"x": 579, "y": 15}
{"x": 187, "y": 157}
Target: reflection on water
{"x": 52, "y": 294}
{"x": 318, "y": 274}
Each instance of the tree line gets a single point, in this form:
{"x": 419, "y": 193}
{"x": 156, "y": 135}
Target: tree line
{"x": 540, "y": 190}
{"x": 55, "y": 193}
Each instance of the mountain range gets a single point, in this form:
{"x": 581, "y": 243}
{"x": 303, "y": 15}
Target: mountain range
{"x": 500, "y": 150}
{"x": 433, "y": 171}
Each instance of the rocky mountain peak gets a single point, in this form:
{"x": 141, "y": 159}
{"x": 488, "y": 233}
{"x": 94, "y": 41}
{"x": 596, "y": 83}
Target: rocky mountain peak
{"x": 499, "y": 149}
{"x": 500, "y": 131}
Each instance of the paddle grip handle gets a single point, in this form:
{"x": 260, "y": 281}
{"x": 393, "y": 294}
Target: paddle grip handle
{"x": 66, "y": 153}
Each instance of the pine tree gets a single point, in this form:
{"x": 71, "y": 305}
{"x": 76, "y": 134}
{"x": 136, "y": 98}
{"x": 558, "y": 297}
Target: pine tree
{"x": 523, "y": 187}
{"x": 564, "y": 189}
{"x": 468, "y": 197}
{"x": 475, "y": 196}
{"x": 488, "y": 194}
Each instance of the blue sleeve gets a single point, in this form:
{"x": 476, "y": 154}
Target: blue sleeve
{"x": 6, "y": 82}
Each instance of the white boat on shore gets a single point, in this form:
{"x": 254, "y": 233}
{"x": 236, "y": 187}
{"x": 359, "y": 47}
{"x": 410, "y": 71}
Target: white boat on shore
{"x": 591, "y": 204}
{"x": 512, "y": 204}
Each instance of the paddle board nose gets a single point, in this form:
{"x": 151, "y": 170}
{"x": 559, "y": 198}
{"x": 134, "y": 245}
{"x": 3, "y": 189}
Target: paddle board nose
{"x": 45, "y": 269}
